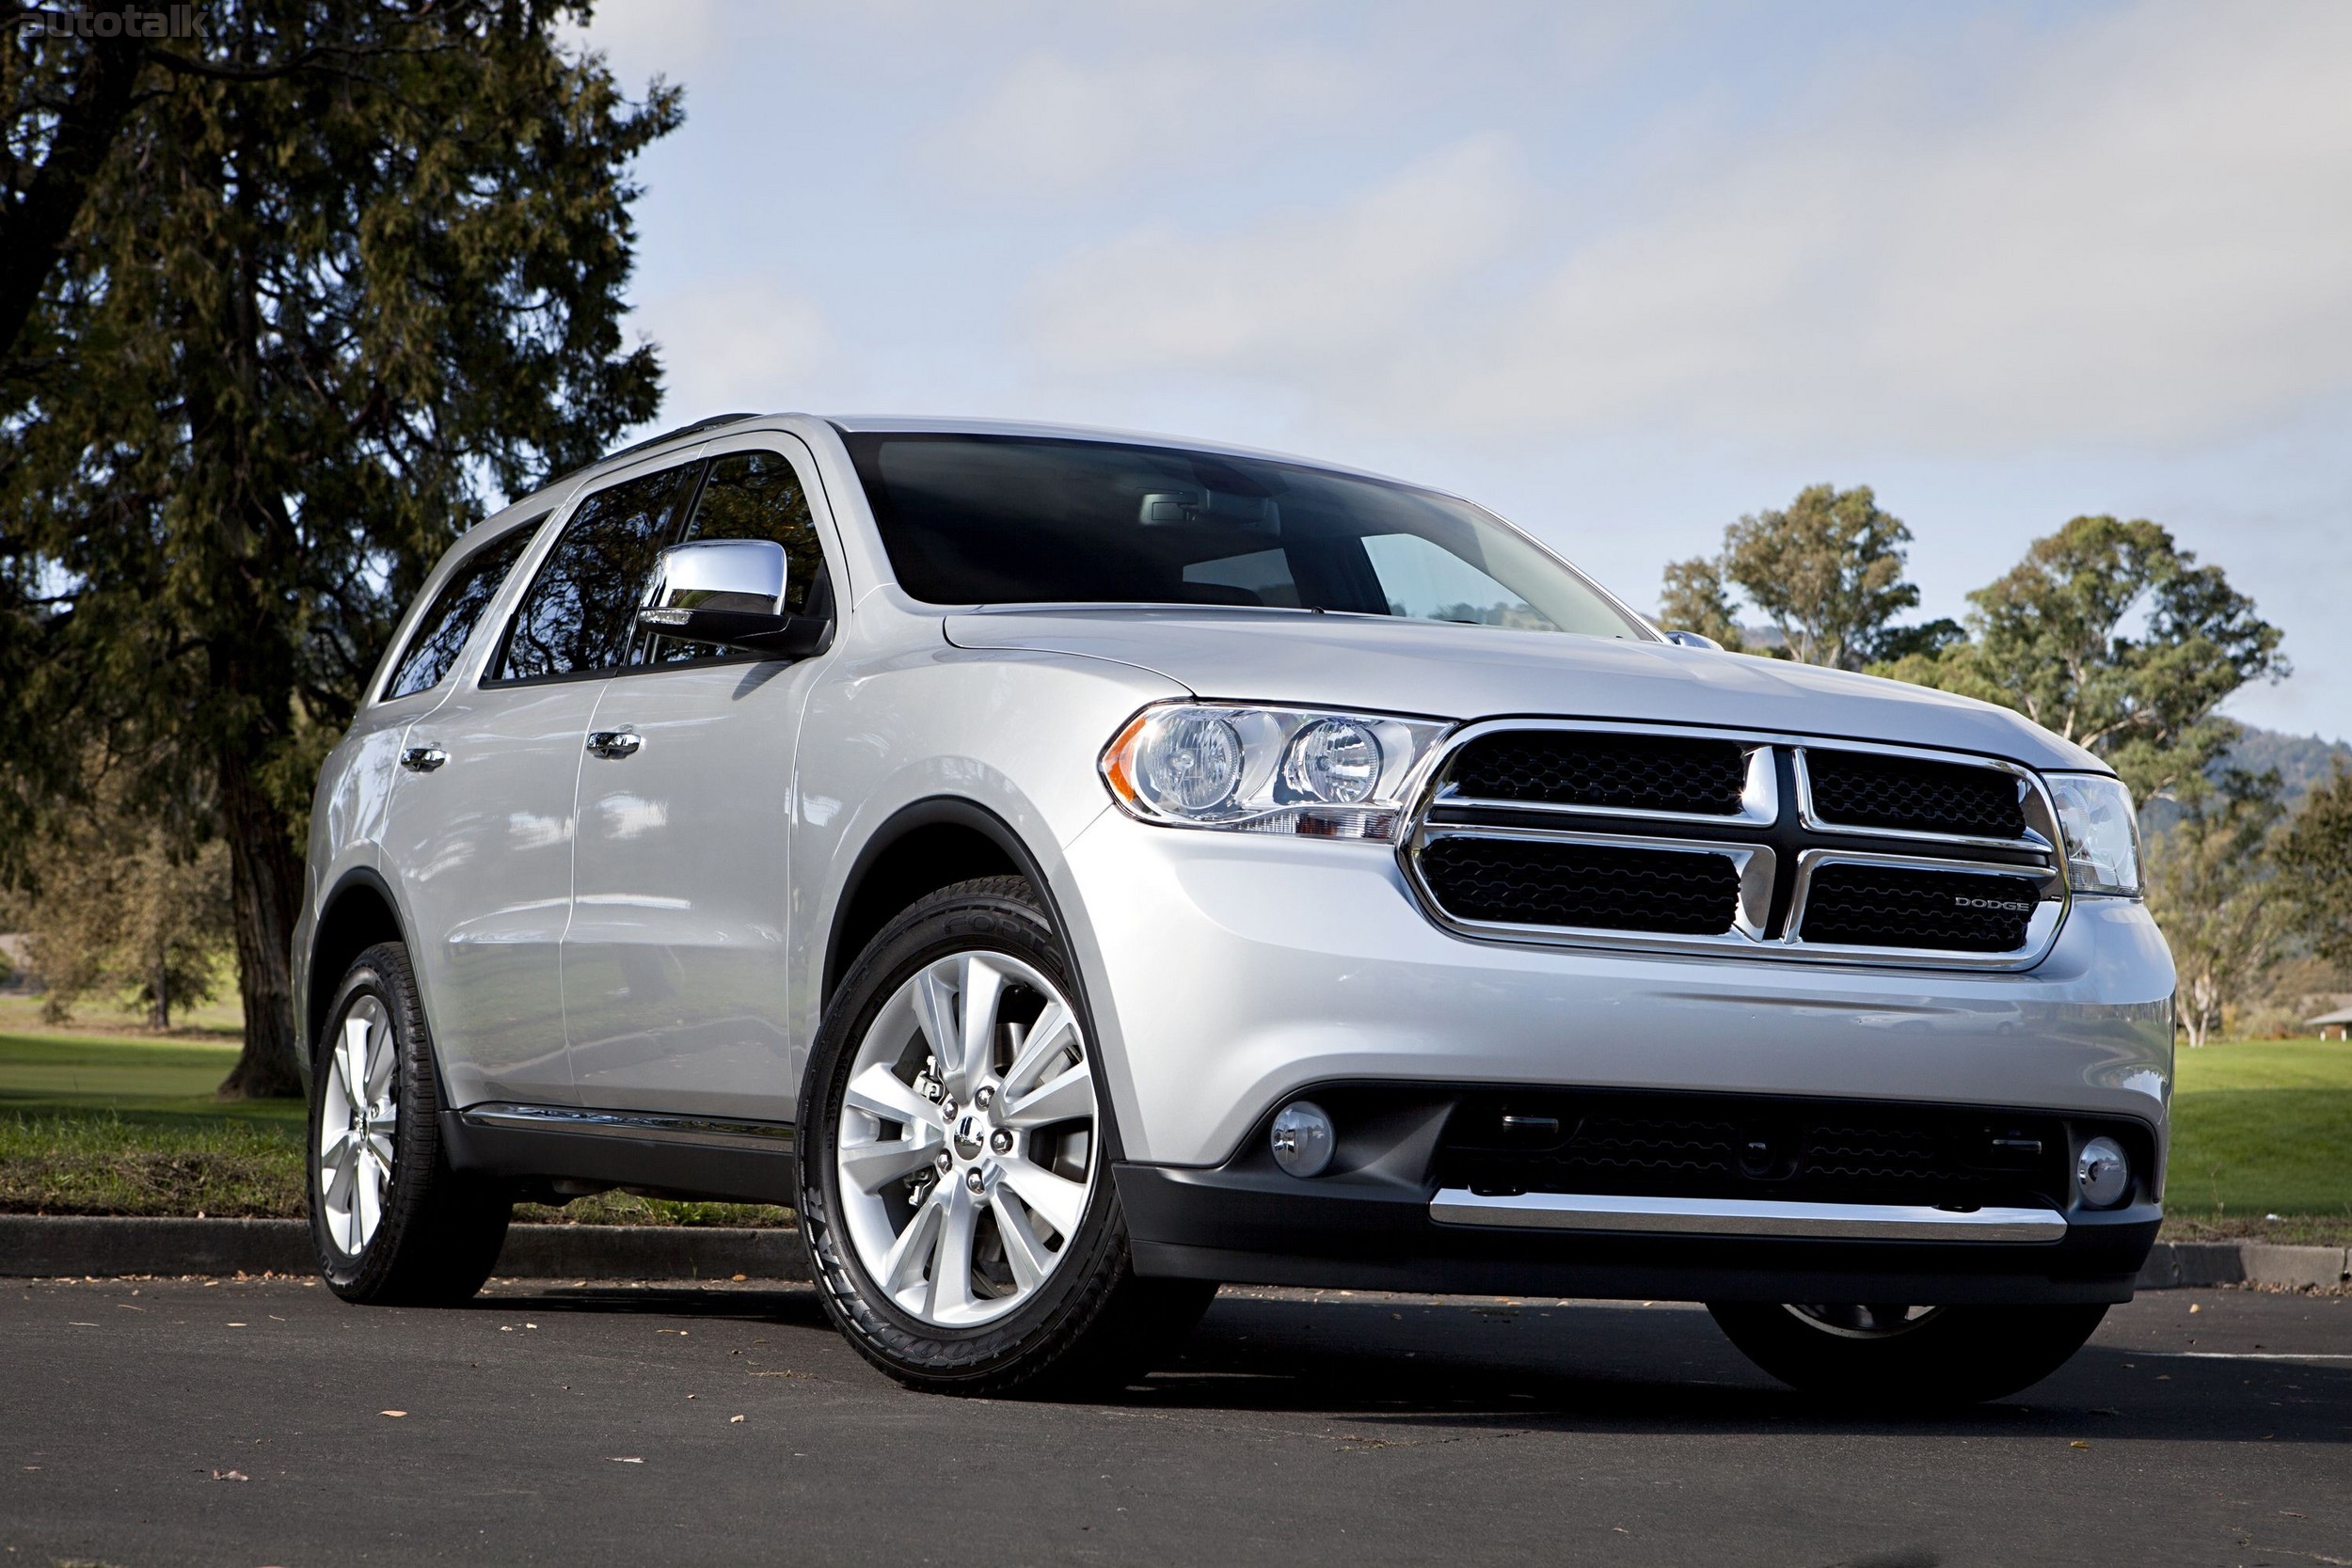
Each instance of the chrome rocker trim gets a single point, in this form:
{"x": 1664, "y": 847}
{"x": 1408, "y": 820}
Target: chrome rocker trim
{"x": 1759, "y": 1217}
{"x": 768, "y": 1138}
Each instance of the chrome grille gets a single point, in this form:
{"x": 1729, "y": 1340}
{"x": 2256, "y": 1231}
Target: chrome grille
{"x": 1522, "y": 881}
{"x": 1620, "y": 773}
{"x": 1587, "y": 832}
{"x": 1898, "y": 906}
{"x": 1860, "y": 789}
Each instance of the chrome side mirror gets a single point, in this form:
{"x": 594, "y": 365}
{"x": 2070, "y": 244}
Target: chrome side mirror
{"x": 730, "y": 591}
{"x": 720, "y": 574}
{"x": 1693, "y": 639}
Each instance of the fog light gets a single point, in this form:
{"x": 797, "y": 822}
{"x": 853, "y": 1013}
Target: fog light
{"x": 1302, "y": 1138}
{"x": 2101, "y": 1174}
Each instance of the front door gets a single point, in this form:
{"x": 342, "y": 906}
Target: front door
{"x": 674, "y": 966}
{"x": 481, "y": 824}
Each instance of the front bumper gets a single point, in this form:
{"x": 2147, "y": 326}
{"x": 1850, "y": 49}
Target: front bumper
{"x": 1228, "y": 971}
{"x": 1254, "y": 1226}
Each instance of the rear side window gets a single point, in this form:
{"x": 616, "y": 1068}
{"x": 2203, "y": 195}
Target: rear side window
{"x": 754, "y": 495}
{"x": 581, "y": 609}
{"x": 455, "y": 610}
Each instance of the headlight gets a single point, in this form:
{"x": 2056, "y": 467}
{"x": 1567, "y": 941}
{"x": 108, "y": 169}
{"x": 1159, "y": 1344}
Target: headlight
{"x": 1267, "y": 770}
{"x": 2102, "y": 832}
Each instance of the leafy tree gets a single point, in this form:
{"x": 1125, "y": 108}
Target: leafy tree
{"x": 305, "y": 318}
{"x": 2313, "y": 856}
{"x": 1695, "y": 599}
{"x": 1827, "y": 572}
{"x": 2113, "y": 636}
{"x": 120, "y": 906}
{"x": 62, "y": 103}
{"x": 2209, "y": 887}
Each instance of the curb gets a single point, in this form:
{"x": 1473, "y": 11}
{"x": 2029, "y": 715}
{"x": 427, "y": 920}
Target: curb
{"x": 2174, "y": 1264}
{"x": 82, "y": 1246}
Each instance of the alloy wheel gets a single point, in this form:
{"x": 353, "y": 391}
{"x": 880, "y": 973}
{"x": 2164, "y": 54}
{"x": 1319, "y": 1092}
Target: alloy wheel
{"x": 967, "y": 1144}
{"x": 1863, "y": 1319}
{"x": 359, "y": 1124}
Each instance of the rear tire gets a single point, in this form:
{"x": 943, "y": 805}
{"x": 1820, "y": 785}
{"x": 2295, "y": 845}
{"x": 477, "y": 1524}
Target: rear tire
{"x": 391, "y": 1223}
{"x": 1895, "y": 1357}
{"x": 931, "y": 1130}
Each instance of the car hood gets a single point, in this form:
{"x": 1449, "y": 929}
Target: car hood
{"x": 1456, "y": 672}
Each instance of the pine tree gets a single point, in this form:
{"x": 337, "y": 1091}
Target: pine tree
{"x": 306, "y": 318}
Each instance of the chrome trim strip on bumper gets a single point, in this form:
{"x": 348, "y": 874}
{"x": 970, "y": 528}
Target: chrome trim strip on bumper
{"x": 768, "y": 1138}
{"x": 1744, "y": 1217}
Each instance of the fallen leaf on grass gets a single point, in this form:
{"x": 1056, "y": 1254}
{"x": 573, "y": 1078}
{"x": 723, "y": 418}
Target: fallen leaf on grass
{"x": 394, "y": 1413}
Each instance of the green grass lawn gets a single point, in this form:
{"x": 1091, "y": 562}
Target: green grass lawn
{"x": 2260, "y": 1128}
{"x": 93, "y": 1124}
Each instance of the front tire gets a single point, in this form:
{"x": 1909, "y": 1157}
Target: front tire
{"x": 956, "y": 1194}
{"x": 1907, "y": 1357}
{"x": 391, "y": 1221}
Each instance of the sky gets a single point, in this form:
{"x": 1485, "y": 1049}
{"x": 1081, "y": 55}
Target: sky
{"x": 1621, "y": 272}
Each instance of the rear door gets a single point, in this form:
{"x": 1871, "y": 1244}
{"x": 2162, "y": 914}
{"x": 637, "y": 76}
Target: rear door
{"x": 674, "y": 967}
{"x": 481, "y": 824}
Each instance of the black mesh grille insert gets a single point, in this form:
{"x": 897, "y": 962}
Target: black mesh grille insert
{"x": 1859, "y": 791}
{"x": 1627, "y": 773}
{"x": 1665, "y": 1144}
{"x": 1528, "y": 883}
{"x": 1885, "y": 905}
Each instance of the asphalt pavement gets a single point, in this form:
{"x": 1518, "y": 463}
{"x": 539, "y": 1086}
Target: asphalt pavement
{"x": 266, "y": 1423}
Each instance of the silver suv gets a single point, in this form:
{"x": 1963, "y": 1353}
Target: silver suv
{"x": 1074, "y": 869}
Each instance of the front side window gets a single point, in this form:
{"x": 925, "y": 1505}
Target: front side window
{"x": 754, "y": 495}
{"x": 455, "y": 610}
{"x": 580, "y": 613}
{"x": 1004, "y": 520}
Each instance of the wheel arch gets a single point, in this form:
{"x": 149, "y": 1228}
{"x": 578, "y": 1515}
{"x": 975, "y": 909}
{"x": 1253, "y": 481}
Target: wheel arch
{"x": 919, "y": 848}
{"x": 358, "y": 914}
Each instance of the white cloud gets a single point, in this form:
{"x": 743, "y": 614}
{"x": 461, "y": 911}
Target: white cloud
{"x": 1056, "y": 125}
{"x": 736, "y": 343}
{"x": 1311, "y": 292}
{"x": 653, "y": 37}
{"x": 2134, "y": 230}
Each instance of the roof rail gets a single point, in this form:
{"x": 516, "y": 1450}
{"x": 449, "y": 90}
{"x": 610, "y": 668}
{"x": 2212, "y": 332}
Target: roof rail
{"x": 649, "y": 442}
{"x": 706, "y": 423}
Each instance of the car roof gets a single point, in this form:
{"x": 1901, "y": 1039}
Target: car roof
{"x": 860, "y": 425}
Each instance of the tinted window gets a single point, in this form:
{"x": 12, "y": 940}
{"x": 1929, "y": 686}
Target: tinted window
{"x": 993, "y": 519}
{"x": 442, "y": 635}
{"x": 582, "y": 608}
{"x": 754, "y": 495}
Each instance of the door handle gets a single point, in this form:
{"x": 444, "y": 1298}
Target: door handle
{"x": 615, "y": 744}
{"x": 423, "y": 759}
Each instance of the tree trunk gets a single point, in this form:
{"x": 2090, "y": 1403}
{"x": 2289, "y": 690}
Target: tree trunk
{"x": 265, "y": 884}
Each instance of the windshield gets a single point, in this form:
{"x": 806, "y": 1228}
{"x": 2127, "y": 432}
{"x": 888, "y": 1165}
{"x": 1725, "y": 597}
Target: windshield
{"x": 1017, "y": 519}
